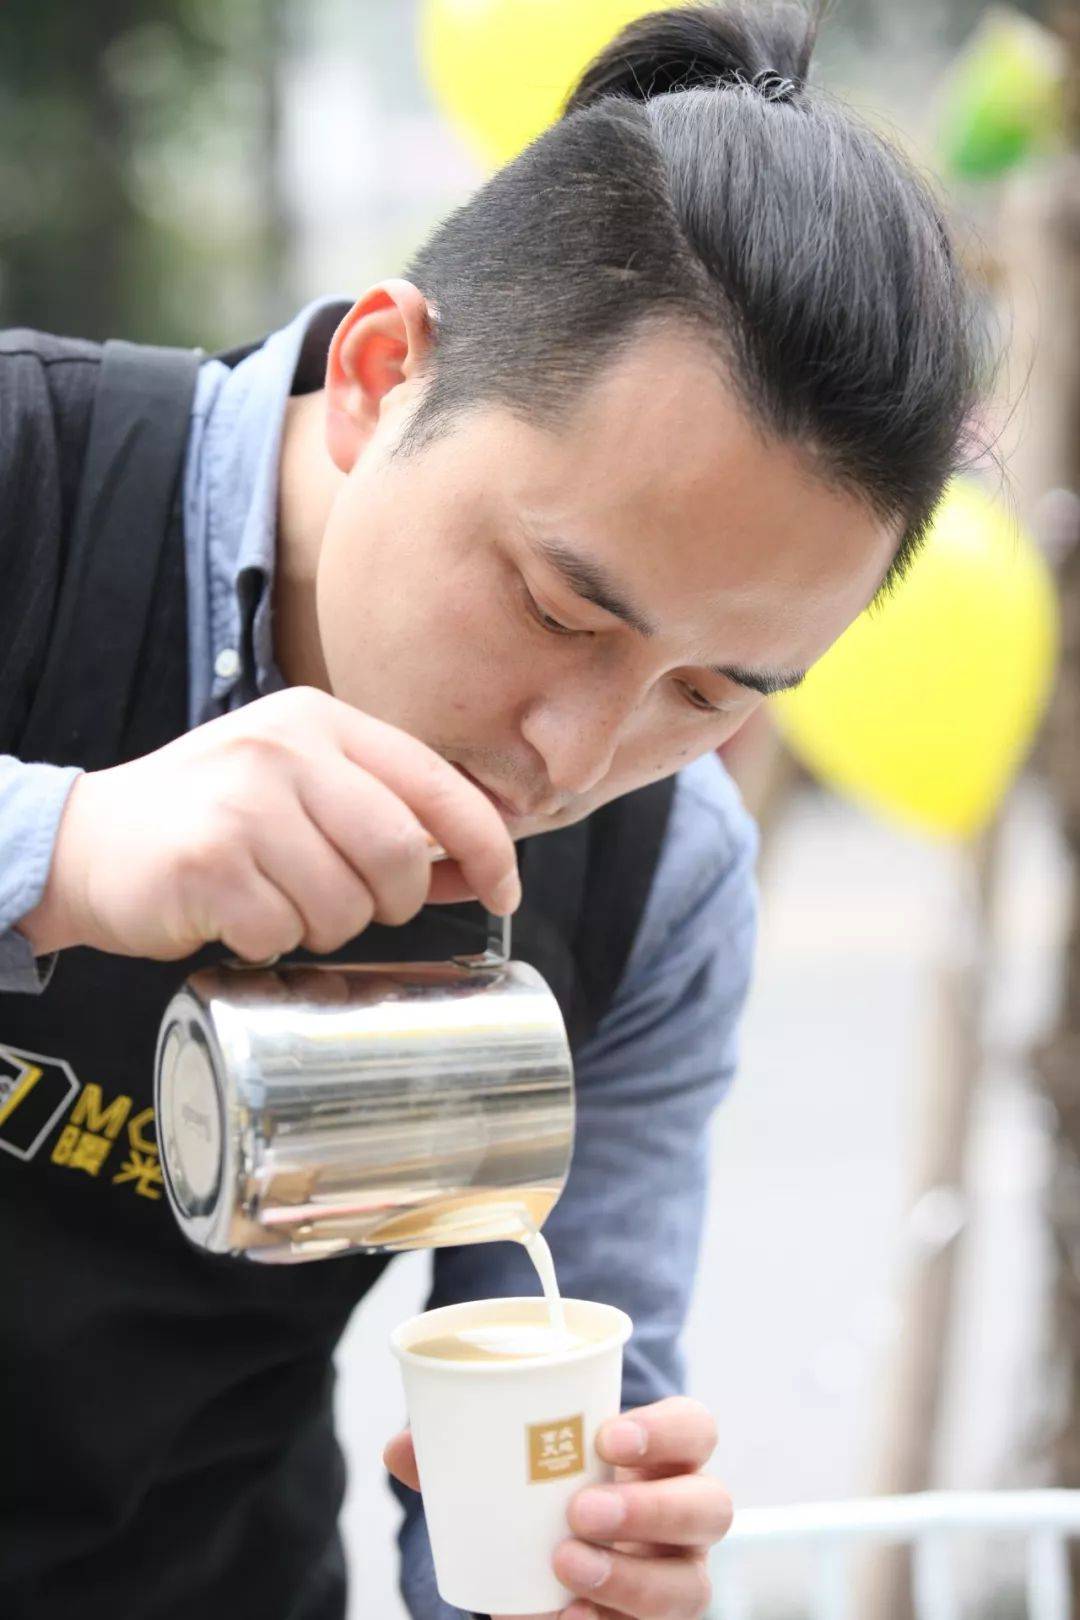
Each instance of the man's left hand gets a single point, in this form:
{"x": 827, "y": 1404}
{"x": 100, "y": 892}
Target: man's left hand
{"x": 640, "y": 1545}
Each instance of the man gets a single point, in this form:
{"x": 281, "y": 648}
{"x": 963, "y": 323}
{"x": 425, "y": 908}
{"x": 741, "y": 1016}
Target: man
{"x": 488, "y": 553}
{"x": 297, "y": 817}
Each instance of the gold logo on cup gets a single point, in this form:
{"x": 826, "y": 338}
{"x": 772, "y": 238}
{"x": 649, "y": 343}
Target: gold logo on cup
{"x": 556, "y": 1449}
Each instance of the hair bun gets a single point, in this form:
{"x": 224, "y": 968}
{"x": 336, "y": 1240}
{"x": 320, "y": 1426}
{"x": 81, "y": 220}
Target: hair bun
{"x": 701, "y": 46}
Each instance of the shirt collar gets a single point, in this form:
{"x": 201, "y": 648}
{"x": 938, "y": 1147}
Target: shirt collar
{"x": 235, "y": 479}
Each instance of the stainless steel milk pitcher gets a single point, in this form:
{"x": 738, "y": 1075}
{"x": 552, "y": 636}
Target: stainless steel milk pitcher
{"x": 304, "y": 1111}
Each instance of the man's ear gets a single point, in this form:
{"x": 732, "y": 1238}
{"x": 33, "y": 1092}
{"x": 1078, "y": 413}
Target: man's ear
{"x": 381, "y": 343}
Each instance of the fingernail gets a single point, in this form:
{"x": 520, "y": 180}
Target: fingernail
{"x": 625, "y": 1442}
{"x": 506, "y": 896}
{"x": 584, "y": 1566}
{"x": 598, "y": 1512}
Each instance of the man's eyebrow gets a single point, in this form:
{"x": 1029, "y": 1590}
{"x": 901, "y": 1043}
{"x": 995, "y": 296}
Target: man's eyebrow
{"x": 765, "y": 681}
{"x": 591, "y": 581}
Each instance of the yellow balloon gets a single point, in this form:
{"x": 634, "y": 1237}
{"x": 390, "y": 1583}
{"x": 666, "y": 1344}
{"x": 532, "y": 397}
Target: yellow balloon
{"x": 926, "y": 706}
{"x": 502, "y": 69}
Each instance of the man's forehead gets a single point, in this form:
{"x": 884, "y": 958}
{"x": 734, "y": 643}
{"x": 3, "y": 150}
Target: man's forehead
{"x": 663, "y": 450}
{"x": 701, "y": 519}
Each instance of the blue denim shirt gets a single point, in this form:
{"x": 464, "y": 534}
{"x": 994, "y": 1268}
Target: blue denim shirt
{"x": 627, "y": 1226}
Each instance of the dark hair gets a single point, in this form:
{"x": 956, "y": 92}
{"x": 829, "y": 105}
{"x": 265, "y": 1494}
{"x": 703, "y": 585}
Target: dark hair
{"x": 803, "y": 246}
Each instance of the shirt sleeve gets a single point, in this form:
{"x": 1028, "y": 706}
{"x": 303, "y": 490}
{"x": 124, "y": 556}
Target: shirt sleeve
{"x": 627, "y": 1227}
{"x": 32, "y": 799}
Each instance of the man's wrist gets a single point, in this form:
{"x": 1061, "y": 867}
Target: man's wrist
{"x": 51, "y": 925}
{"x": 45, "y": 928}
{"x": 34, "y": 799}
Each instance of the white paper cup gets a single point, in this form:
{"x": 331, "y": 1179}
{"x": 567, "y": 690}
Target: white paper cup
{"x": 502, "y": 1447}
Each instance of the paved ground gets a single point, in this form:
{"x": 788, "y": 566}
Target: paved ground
{"x": 808, "y": 1218}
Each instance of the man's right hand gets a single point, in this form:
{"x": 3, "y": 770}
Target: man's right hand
{"x": 295, "y": 821}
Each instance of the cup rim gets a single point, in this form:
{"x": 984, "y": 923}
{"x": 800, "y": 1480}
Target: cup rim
{"x": 621, "y": 1329}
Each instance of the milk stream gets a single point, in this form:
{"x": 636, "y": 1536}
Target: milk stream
{"x": 535, "y": 1246}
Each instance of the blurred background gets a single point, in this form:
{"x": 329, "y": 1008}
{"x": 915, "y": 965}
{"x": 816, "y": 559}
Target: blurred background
{"x": 889, "y": 1295}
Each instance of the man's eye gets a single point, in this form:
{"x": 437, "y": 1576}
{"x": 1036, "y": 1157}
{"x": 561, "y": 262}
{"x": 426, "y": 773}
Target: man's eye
{"x": 698, "y": 700}
{"x": 545, "y": 619}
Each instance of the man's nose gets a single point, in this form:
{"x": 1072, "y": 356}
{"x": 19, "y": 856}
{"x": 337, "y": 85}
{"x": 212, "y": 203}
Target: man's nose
{"x": 576, "y": 741}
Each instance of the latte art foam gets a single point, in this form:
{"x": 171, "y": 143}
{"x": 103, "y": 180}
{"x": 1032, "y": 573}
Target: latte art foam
{"x": 499, "y": 1341}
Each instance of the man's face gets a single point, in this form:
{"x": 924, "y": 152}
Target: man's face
{"x": 567, "y": 617}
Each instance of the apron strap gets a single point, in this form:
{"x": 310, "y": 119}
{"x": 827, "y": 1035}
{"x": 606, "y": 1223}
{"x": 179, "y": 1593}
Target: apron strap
{"x": 130, "y": 477}
{"x": 587, "y": 887}
{"x": 626, "y": 837}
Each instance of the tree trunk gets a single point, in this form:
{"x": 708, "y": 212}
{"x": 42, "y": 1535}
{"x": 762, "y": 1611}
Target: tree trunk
{"x": 66, "y": 228}
{"x": 910, "y": 1421}
{"x": 1060, "y": 1059}
{"x": 1050, "y": 263}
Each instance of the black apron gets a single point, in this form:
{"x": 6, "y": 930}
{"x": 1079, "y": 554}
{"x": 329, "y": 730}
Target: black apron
{"x": 173, "y": 1448}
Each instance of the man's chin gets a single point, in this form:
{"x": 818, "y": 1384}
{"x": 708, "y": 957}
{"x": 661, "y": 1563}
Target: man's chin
{"x": 526, "y": 826}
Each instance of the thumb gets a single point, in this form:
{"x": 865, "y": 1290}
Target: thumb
{"x": 400, "y": 1459}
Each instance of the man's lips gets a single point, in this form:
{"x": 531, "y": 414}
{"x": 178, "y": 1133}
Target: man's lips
{"x": 505, "y": 807}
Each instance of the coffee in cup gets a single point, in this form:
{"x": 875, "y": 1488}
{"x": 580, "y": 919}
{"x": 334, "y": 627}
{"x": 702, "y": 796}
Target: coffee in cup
{"x": 508, "y": 1339}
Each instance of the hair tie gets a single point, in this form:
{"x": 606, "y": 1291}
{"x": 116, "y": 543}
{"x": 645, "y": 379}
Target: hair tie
{"x": 773, "y": 85}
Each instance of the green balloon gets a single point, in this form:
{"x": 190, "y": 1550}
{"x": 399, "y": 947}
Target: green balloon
{"x": 1003, "y": 97}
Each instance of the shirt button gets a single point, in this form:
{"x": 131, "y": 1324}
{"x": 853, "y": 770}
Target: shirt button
{"x": 227, "y": 664}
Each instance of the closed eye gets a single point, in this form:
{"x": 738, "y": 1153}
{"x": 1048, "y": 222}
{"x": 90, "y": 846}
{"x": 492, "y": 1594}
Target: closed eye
{"x": 555, "y": 627}
{"x": 699, "y": 701}
{"x": 546, "y": 620}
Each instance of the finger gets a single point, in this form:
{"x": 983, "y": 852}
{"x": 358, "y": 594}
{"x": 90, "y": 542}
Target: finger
{"x": 374, "y": 832}
{"x": 461, "y": 818}
{"x": 448, "y": 885}
{"x": 334, "y": 902}
{"x": 400, "y": 1460}
{"x": 676, "y": 1435}
{"x": 257, "y": 920}
{"x": 687, "y": 1510}
{"x": 645, "y": 1588}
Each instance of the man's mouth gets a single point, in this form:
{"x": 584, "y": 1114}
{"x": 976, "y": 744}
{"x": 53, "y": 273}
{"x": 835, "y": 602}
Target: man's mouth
{"x": 506, "y": 807}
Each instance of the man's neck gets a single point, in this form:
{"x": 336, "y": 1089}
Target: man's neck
{"x": 308, "y": 481}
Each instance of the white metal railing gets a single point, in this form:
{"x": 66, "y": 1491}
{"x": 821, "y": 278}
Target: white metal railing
{"x": 928, "y": 1523}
